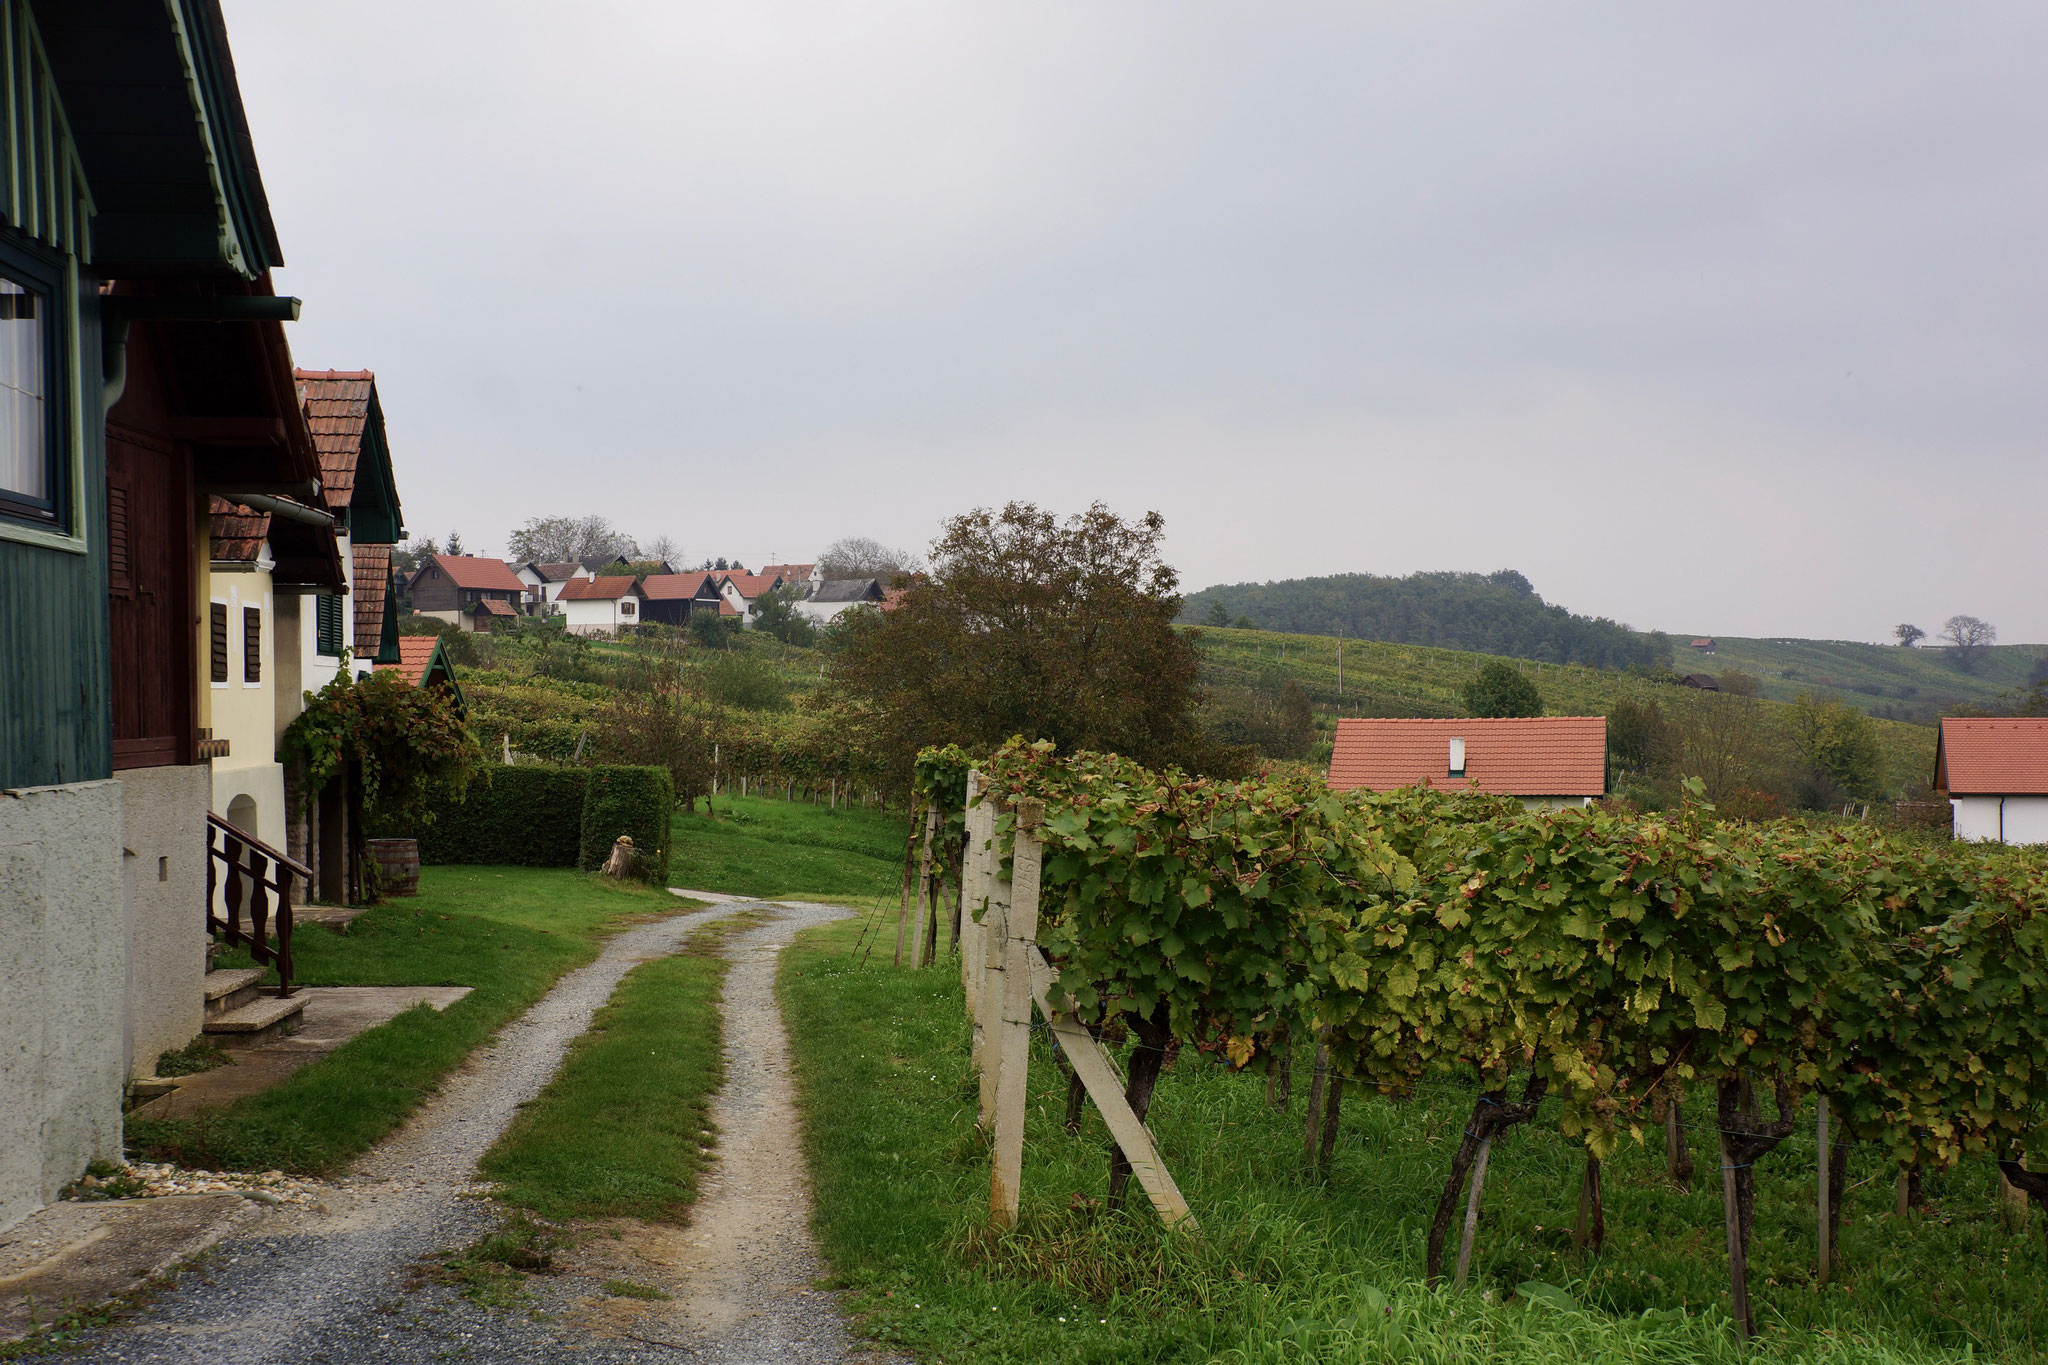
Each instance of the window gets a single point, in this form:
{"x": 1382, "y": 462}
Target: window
{"x": 252, "y": 644}
{"x": 217, "y": 639}
{"x": 32, "y": 478}
{"x": 626, "y": 607}
{"x": 327, "y": 626}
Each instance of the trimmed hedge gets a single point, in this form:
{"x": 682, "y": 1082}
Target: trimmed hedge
{"x": 629, "y": 800}
{"x": 522, "y": 817}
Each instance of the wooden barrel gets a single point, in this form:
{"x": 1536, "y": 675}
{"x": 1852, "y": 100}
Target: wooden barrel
{"x": 398, "y": 866}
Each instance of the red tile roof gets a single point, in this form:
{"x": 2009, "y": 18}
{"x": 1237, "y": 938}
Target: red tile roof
{"x": 337, "y": 404}
{"x": 600, "y": 589}
{"x": 234, "y": 532}
{"x": 789, "y": 573}
{"x": 372, "y": 575}
{"x": 752, "y": 585}
{"x": 671, "y": 587}
{"x": 415, "y": 652}
{"x": 495, "y": 606}
{"x": 1521, "y": 756}
{"x": 486, "y": 575}
{"x": 1992, "y": 756}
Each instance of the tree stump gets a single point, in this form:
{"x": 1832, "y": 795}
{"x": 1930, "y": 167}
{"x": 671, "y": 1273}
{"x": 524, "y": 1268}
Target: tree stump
{"x": 620, "y": 863}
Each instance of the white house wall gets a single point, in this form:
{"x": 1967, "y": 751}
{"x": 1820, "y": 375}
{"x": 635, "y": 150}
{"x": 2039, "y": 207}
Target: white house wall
{"x": 2022, "y": 819}
{"x": 63, "y": 977}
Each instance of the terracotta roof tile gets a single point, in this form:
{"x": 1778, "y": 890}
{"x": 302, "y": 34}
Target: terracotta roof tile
{"x": 673, "y": 587}
{"x": 601, "y": 589}
{"x": 337, "y": 406}
{"x": 752, "y": 585}
{"x": 485, "y": 575}
{"x": 415, "y": 652}
{"x": 1523, "y": 756}
{"x": 235, "y": 534}
{"x": 372, "y": 575}
{"x": 1992, "y": 756}
{"x": 789, "y": 573}
{"x": 496, "y": 606}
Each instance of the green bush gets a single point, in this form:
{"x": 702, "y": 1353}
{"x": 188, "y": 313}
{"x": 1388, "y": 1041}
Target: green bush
{"x": 629, "y": 800}
{"x": 525, "y": 817}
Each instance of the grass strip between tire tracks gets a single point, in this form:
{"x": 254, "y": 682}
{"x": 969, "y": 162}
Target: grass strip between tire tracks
{"x": 508, "y": 933}
{"x": 1291, "y": 1269}
{"x": 623, "y": 1130}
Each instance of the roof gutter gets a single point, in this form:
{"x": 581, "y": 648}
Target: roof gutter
{"x": 282, "y": 507}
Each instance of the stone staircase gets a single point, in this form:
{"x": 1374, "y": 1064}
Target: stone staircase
{"x": 239, "y": 1015}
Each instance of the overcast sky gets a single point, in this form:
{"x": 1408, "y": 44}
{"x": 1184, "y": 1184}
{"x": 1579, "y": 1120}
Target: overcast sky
{"x": 1713, "y": 317}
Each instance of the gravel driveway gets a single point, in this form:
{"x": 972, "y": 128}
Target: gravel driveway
{"x": 308, "y": 1286}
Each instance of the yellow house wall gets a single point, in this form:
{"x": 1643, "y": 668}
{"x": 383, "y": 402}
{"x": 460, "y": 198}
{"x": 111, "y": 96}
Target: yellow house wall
{"x": 241, "y": 712}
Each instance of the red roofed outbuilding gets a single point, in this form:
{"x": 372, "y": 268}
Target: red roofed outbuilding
{"x": 1994, "y": 772}
{"x": 1546, "y": 761}
{"x": 604, "y": 605}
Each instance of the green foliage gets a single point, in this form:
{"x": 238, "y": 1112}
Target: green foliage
{"x": 1031, "y": 624}
{"x": 1838, "y": 744}
{"x": 746, "y": 681}
{"x": 1497, "y": 613}
{"x": 530, "y": 816}
{"x": 775, "y": 614}
{"x": 774, "y": 848}
{"x": 413, "y": 752}
{"x": 712, "y": 631}
{"x": 635, "y": 801}
{"x": 1501, "y": 690}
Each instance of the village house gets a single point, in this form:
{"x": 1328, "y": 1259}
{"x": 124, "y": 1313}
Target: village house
{"x": 604, "y": 605}
{"x": 835, "y": 595}
{"x": 801, "y": 579}
{"x": 672, "y": 599}
{"x": 449, "y": 587}
{"x": 544, "y": 582}
{"x": 150, "y": 376}
{"x": 1546, "y": 762}
{"x": 1993, "y": 771}
{"x": 742, "y": 590}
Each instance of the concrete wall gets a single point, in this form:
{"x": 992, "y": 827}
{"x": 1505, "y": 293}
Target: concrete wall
{"x": 2023, "y": 819}
{"x": 63, "y": 963}
{"x": 164, "y": 832}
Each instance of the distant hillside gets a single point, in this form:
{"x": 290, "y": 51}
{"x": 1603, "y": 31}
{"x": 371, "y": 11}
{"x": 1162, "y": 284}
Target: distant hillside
{"x": 1497, "y": 613}
{"x": 1381, "y": 679}
{"x": 1885, "y": 680}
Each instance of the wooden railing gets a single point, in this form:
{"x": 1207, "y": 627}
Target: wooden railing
{"x": 244, "y": 873}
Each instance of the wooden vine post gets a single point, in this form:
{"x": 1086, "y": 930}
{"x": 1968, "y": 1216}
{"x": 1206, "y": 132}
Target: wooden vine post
{"x": 1826, "y": 1234}
{"x": 1738, "y": 1258}
{"x": 1013, "y": 1050}
{"x": 1010, "y": 978}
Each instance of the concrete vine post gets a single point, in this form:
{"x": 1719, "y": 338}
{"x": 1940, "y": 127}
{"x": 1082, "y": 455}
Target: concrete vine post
{"x": 989, "y": 993}
{"x": 921, "y": 897}
{"x": 973, "y": 891}
{"x": 1020, "y": 937}
{"x": 1826, "y": 1229}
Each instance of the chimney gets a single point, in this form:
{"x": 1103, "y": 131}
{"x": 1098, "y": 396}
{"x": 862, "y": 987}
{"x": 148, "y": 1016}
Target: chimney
{"x": 1457, "y": 758}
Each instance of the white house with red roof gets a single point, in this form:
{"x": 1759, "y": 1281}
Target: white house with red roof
{"x": 604, "y": 605}
{"x": 742, "y": 590}
{"x": 1547, "y": 762}
{"x": 1994, "y": 772}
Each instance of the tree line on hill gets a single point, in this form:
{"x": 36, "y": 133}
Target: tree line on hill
{"x": 1496, "y": 613}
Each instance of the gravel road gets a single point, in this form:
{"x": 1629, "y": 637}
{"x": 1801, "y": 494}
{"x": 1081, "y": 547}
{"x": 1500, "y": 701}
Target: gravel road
{"x": 339, "y": 1286}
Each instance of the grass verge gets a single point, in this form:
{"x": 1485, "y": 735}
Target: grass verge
{"x": 623, "y": 1129}
{"x": 1292, "y": 1269}
{"x": 761, "y": 846}
{"x": 508, "y": 933}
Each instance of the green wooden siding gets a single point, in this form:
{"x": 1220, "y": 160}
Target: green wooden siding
{"x": 56, "y": 708}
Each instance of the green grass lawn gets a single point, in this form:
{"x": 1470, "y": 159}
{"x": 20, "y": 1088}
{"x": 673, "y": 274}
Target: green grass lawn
{"x": 506, "y": 932}
{"x": 762, "y": 846}
{"x": 623, "y": 1129}
{"x": 1289, "y": 1269}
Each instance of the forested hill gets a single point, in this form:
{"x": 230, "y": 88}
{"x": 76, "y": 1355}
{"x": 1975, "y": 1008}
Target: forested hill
{"x": 1497, "y": 613}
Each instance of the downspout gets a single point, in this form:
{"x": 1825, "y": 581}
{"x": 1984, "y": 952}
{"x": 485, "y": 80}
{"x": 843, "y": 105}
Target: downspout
{"x": 113, "y": 360}
{"x": 2001, "y": 819}
{"x": 282, "y": 507}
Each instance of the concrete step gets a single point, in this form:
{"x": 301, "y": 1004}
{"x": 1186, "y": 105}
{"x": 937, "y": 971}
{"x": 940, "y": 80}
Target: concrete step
{"x": 265, "y": 1019}
{"x": 229, "y": 990}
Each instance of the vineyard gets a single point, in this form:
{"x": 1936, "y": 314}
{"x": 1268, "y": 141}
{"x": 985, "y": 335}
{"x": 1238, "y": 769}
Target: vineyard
{"x": 1612, "y": 978}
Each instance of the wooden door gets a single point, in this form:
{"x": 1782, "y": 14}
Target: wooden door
{"x": 150, "y": 571}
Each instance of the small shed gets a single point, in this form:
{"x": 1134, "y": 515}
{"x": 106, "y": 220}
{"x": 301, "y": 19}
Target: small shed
{"x": 1993, "y": 770}
{"x": 1546, "y": 762}
{"x": 604, "y": 605}
{"x": 1705, "y": 682}
{"x": 671, "y": 599}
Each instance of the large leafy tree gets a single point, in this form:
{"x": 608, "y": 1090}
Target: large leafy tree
{"x": 1499, "y": 689}
{"x": 1027, "y": 624}
{"x": 556, "y": 540}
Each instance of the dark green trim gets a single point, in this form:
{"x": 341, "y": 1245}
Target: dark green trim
{"x": 387, "y": 645}
{"x": 375, "y": 517}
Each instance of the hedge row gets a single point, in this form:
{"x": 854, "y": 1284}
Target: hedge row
{"x": 555, "y": 817}
{"x": 636, "y": 801}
